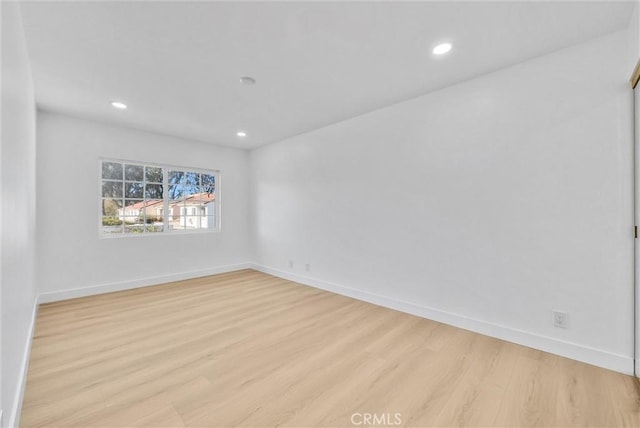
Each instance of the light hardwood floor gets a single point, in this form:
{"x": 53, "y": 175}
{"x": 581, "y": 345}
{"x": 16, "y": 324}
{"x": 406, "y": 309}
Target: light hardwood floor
{"x": 249, "y": 349}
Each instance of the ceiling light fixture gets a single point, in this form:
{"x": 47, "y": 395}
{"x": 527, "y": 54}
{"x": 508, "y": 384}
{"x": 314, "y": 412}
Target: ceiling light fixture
{"x": 241, "y": 134}
{"x": 442, "y": 48}
{"x": 118, "y": 104}
{"x": 246, "y": 80}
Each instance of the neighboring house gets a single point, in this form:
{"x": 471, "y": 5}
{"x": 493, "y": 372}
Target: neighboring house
{"x": 191, "y": 212}
{"x": 150, "y": 207}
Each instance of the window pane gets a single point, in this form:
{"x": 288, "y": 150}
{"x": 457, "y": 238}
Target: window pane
{"x": 190, "y": 193}
{"x": 132, "y": 220}
{"x": 134, "y": 229}
{"x": 111, "y": 221}
{"x": 192, "y": 179}
{"x": 184, "y": 216}
{"x": 209, "y": 222}
{"x": 153, "y": 191}
{"x": 208, "y": 183}
{"x": 133, "y": 172}
{"x": 111, "y": 212}
{"x": 133, "y": 190}
{"x": 176, "y": 192}
{"x": 111, "y": 189}
{"x": 112, "y": 170}
{"x": 149, "y": 209}
{"x": 210, "y": 208}
{"x": 176, "y": 177}
{"x": 197, "y": 222}
{"x": 153, "y": 174}
{"x": 152, "y": 218}
{"x": 110, "y": 230}
{"x": 132, "y": 207}
{"x": 174, "y": 212}
{"x": 111, "y": 207}
{"x": 175, "y": 225}
{"x": 154, "y": 228}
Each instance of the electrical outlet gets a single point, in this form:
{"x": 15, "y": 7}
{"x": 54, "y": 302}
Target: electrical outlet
{"x": 290, "y": 264}
{"x": 560, "y": 319}
{"x": 307, "y": 267}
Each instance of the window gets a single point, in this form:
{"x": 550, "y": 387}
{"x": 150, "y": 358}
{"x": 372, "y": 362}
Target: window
{"x": 150, "y": 199}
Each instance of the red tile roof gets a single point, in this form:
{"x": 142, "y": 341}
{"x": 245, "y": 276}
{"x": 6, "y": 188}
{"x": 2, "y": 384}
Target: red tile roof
{"x": 197, "y": 198}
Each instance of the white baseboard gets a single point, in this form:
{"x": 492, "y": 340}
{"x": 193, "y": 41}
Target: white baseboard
{"x": 13, "y": 417}
{"x": 72, "y": 293}
{"x": 619, "y": 363}
{"x": 596, "y": 357}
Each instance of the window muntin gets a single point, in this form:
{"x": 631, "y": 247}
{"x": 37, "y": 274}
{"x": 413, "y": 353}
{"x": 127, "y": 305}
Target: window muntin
{"x": 134, "y": 200}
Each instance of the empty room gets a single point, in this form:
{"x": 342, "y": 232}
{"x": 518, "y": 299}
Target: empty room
{"x": 319, "y": 214}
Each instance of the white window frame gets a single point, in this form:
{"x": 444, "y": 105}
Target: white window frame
{"x": 166, "y": 212}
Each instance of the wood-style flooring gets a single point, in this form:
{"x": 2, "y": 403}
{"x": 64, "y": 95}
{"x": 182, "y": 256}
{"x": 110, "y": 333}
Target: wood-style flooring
{"x": 249, "y": 349}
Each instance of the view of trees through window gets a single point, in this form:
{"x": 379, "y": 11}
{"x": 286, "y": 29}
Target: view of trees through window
{"x": 138, "y": 198}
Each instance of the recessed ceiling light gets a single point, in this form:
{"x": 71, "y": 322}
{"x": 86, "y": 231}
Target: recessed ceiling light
{"x": 241, "y": 134}
{"x": 246, "y": 80}
{"x": 118, "y": 104}
{"x": 442, "y": 48}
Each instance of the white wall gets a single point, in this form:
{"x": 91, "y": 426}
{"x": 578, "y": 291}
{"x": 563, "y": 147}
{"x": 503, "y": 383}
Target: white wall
{"x": 486, "y": 205}
{"x": 18, "y": 158}
{"x": 633, "y": 38}
{"x": 70, "y": 252}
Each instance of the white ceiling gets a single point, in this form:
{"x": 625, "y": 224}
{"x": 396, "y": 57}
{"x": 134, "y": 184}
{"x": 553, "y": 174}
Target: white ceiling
{"x": 177, "y": 64}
